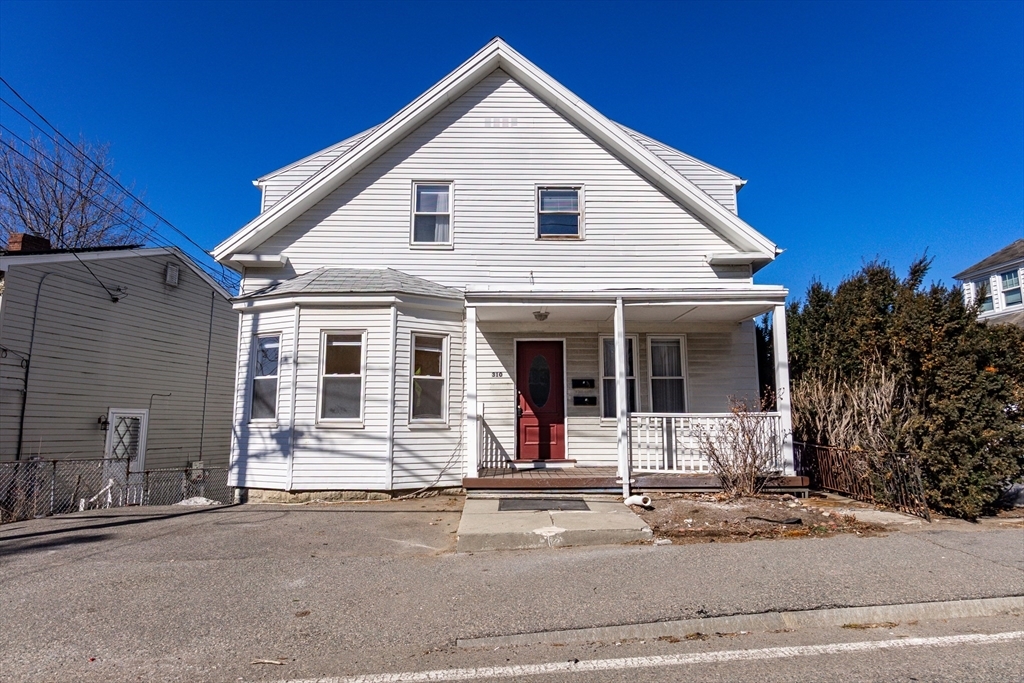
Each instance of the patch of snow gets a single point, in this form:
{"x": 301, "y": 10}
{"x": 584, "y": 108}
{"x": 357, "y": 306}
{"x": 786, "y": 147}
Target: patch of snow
{"x": 198, "y": 500}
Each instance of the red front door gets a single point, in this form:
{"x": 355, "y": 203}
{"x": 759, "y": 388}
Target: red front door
{"x": 541, "y": 395}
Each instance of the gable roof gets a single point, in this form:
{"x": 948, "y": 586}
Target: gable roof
{"x": 8, "y": 259}
{"x": 355, "y": 281}
{"x": 498, "y": 54}
{"x": 1011, "y": 252}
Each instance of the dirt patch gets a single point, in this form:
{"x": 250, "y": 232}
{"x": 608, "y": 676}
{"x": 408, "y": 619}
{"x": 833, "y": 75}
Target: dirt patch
{"x": 709, "y": 518}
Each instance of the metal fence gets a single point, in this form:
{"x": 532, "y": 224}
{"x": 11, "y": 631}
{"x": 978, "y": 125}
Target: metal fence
{"x": 39, "y": 488}
{"x": 888, "y": 479}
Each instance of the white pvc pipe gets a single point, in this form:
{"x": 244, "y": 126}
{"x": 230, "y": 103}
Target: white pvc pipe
{"x": 642, "y": 501}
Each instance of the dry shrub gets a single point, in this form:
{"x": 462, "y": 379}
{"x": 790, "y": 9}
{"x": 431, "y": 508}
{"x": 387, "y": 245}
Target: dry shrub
{"x": 744, "y": 453}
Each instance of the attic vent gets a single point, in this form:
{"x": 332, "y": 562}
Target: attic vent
{"x": 171, "y": 275}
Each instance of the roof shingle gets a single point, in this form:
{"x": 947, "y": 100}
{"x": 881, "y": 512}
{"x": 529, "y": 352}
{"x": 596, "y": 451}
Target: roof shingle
{"x": 356, "y": 281}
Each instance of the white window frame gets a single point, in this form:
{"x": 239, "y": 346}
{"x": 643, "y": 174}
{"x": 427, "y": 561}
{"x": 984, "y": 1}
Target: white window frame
{"x": 345, "y": 422}
{"x": 252, "y": 376}
{"x": 451, "y": 216}
{"x": 685, "y": 368}
{"x": 580, "y": 233}
{"x": 445, "y": 377}
{"x": 602, "y": 377}
{"x": 1004, "y": 291}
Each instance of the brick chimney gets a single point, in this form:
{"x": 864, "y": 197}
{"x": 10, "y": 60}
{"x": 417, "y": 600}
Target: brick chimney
{"x": 24, "y": 243}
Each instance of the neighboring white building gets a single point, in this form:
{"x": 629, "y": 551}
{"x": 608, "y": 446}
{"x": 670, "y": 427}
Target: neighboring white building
{"x": 995, "y": 284}
{"x": 114, "y": 352}
{"x": 496, "y": 277}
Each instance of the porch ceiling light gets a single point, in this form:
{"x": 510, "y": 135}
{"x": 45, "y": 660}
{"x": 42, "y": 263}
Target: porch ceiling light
{"x": 540, "y": 316}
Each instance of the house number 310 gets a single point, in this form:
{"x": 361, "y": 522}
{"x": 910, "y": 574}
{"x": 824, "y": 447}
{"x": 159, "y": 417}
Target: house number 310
{"x": 497, "y": 374}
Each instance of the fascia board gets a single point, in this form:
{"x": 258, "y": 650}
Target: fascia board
{"x": 758, "y": 293}
{"x": 493, "y": 55}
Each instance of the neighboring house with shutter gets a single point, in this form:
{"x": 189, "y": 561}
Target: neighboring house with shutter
{"x": 114, "y": 352}
{"x": 497, "y": 285}
{"x": 994, "y": 283}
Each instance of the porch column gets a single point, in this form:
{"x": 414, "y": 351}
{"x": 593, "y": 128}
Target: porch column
{"x": 621, "y": 396}
{"x": 472, "y": 409}
{"x": 782, "y": 400}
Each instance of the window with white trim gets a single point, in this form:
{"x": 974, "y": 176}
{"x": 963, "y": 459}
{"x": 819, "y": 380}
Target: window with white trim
{"x": 668, "y": 389}
{"x": 608, "y": 395}
{"x": 1010, "y": 284}
{"x": 558, "y": 212}
{"x": 265, "y": 365}
{"x": 341, "y": 376}
{"x": 428, "y": 380}
{"x": 983, "y": 295}
{"x": 432, "y": 213}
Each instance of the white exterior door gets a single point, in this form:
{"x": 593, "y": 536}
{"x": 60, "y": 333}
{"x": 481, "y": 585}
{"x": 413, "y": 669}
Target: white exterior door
{"x": 126, "y": 437}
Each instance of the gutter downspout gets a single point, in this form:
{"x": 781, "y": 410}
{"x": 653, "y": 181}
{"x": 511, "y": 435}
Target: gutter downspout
{"x": 28, "y": 365}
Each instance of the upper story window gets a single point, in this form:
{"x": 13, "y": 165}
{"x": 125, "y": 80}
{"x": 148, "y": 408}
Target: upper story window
{"x": 432, "y": 214}
{"x": 558, "y": 212}
{"x": 983, "y": 295}
{"x": 1011, "y": 287}
{"x": 265, "y": 362}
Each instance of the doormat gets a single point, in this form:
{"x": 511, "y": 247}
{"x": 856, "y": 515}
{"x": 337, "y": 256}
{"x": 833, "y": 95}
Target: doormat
{"x": 541, "y": 504}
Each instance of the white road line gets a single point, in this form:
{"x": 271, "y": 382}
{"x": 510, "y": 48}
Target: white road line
{"x": 668, "y": 660}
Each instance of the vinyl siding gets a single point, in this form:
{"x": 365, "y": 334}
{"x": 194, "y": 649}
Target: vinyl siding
{"x": 635, "y": 236}
{"x": 91, "y": 355}
{"x": 721, "y": 362}
{"x": 332, "y": 457}
{"x": 423, "y": 451}
{"x": 259, "y": 452}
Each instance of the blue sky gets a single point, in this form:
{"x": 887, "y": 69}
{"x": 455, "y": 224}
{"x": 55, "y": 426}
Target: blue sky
{"x": 865, "y": 129}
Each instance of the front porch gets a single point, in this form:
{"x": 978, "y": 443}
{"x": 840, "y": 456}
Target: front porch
{"x": 643, "y": 379}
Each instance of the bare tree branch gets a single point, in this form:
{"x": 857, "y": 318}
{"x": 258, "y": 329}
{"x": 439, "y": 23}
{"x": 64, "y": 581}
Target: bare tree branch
{"x": 49, "y": 190}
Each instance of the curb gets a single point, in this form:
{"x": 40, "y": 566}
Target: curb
{"x": 765, "y": 621}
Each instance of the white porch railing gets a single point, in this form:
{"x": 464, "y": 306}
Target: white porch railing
{"x": 661, "y": 442}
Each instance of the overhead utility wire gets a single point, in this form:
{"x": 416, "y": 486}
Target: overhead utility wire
{"x": 87, "y": 199}
{"x": 113, "y": 297}
{"x": 95, "y": 164}
{"x": 102, "y": 170}
{"x": 151, "y": 233}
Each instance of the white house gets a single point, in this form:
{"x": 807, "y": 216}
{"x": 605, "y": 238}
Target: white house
{"x": 994, "y": 283}
{"x": 496, "y": 278}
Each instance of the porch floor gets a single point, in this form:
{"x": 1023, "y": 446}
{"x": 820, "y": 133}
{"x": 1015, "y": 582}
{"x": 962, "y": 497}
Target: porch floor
{"x": 604, "y": 479}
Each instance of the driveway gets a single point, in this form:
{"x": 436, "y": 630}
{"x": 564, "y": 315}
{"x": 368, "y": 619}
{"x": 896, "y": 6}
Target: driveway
{"x": 199, "y": 595}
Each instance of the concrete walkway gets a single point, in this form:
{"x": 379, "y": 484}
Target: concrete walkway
{"x": 607, "y": 522}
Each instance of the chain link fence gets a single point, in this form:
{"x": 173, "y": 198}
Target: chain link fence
{"x": 891, "y": 480}
{"x": 39, "y": 488}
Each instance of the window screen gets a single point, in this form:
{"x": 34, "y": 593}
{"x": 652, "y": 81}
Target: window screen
{"x": 428, "y": 393}
{"x": 558, "y": 212}
{"x": 341, "y": 383}
{"x": 264, "y": 377}
{"x": 667, "y": 390}
{"x": 608, "y": 376}
{"x": 432, "y": 215}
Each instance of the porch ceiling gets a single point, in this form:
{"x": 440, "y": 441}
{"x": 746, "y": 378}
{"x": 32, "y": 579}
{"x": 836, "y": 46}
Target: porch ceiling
{"x": 635, "y": 312}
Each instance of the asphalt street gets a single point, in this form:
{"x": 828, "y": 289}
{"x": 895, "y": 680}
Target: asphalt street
{"x": 172, "y": 594}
